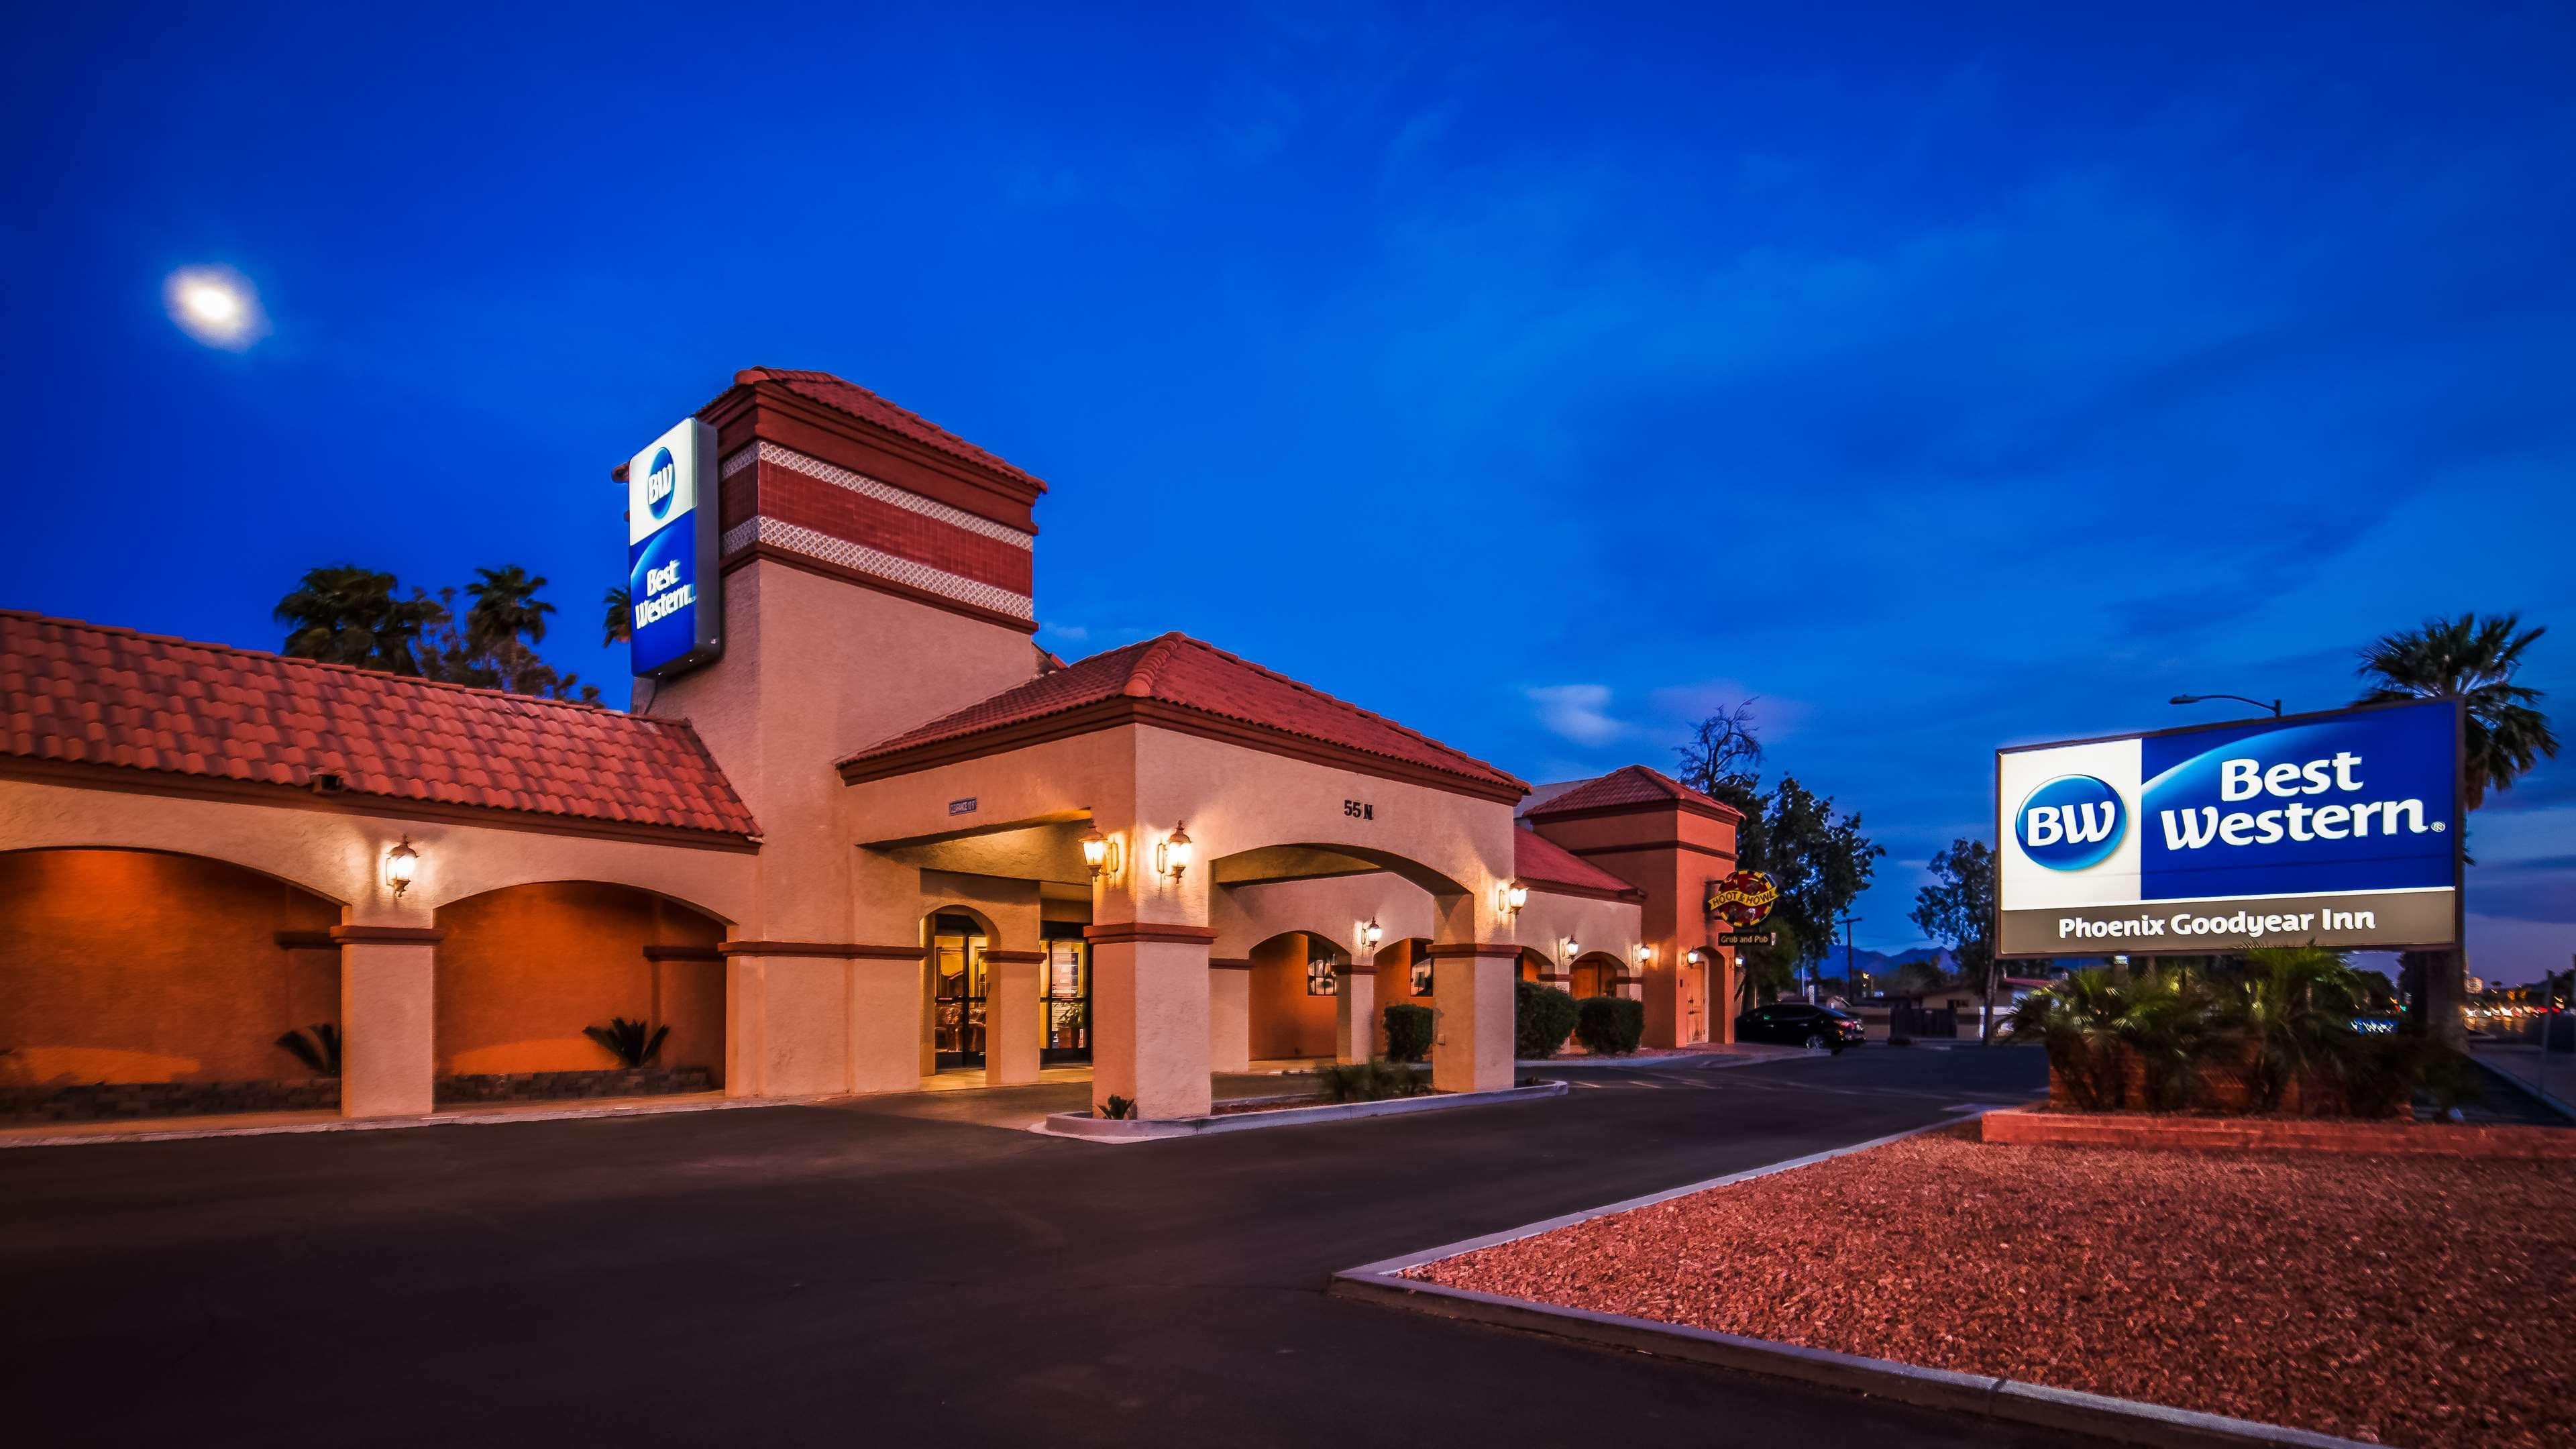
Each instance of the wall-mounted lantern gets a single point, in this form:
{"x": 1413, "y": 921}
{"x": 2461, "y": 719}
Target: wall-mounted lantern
{"x": 1696, "y": 957}
{"x": 1509, "y": 897}
{"x": 401, "y": 864}
{"x": 1172, "y": 856}
{"x": 1099, "y": 855}
{"x": 1370, "y": 933}
{"x": 1573, "y": 948}
{"x": 1645, "y": 956}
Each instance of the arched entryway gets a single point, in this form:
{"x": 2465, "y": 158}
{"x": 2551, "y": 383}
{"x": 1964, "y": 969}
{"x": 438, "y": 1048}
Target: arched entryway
{"x": 1294, "y": 995}
{"x": 957, "y": 984}
{"x": 138, "y": 983}
{"x": 1594, "y": 973}
{"x": 526, "y": 972}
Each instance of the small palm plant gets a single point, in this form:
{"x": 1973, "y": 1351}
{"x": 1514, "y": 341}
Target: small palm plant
{"x": 316, "y": 1046}
{"x": 2075, "y": 1020}
{"x": 2295, "y": 1007}
{"x": 2165, "y": 1020}
{"x": 631, "y": 1042}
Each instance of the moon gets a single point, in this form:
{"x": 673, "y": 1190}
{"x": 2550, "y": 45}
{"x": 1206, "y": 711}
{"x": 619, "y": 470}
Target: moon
{"x": 215, "y": 305}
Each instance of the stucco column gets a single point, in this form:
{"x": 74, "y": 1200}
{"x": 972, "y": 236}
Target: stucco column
{"x": 1230, "y": 1015}
{"x": 1013, "y": 1029}
{"x": 388, "y": 1019}
{"x": 1471, "y": 988}
{"x": 1149, "y": 1016}
{"x": 887, "y": 1007}
{"x": 791, "y": 1020}
{"x": 1355, "y": 1014}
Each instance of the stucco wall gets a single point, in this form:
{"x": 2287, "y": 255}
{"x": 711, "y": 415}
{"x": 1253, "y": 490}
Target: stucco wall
{"x": 127, "y": 966}
{"x": 1286, "y": 1021}
{"x": 522, "y": 971}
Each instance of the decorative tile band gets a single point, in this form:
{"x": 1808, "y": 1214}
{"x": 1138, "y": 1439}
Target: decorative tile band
{"x": 867, "y": 560}
{"x": 782, "y": 457}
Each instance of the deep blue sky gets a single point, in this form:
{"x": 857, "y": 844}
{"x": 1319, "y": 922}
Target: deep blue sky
{"x": 1946, "y": 376}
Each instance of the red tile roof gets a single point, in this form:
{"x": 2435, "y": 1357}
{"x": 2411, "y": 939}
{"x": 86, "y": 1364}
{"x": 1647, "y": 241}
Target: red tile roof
{"x": 1542, "y": 862}
{"x": 85, "y": 693}
{"x": 858, "y": 402}
{"x": 1631, "y": 785}
{"x": 1178, "y": 671}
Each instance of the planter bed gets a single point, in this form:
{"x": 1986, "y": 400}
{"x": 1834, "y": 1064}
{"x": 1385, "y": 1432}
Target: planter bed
{"x": 2413, "y": 1300}
{"x": 571, "y": 1086}
{"x": 119, "y": 1101}
{"x": 2048, "y": 1127}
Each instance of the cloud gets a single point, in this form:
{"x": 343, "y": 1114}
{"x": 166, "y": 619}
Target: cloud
{"x": 1577, "y": 712}
{"x": 1075, "y": 632}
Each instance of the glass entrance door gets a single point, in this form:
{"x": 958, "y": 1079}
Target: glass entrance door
{"x": 957, "y": 998}
{"x": 1068, "y": 1001}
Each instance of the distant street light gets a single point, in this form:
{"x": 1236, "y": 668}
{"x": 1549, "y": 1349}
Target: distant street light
{"x": 2273, "y": 705}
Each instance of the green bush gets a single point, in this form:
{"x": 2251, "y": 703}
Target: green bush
{"x": 1408, "y": 1032}
{"x": 1542, "y": 1018}
{"x": 1369, "y": 1081}
{"x": 1609, "y": 1025}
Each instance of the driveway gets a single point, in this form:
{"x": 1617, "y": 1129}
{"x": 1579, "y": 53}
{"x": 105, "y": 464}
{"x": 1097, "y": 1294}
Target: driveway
{"x": 894, "y": 1271}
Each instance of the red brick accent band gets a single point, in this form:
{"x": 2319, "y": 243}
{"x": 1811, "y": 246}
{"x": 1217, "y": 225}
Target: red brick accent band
{"x": 305, "y": 940}
{"x": 1229, "y": 963}
{"x": 1473, "y": 948}
{"x": 2256, "y": 1134}
{"x": 1156, "y": 932}
{"x": 387, "y": 935}
{"x": 682, "y": 953}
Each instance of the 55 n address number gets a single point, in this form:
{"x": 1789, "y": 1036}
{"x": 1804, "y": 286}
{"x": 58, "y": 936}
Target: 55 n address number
{"x": 1359, "y": 810}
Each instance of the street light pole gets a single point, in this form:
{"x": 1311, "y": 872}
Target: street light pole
{"x": 2273, "y": 705}
{"x": 1848, "y": 979}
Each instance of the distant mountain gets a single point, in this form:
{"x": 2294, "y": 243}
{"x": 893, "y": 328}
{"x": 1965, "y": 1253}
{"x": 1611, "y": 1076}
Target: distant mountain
{"x": 1882, "y": 963}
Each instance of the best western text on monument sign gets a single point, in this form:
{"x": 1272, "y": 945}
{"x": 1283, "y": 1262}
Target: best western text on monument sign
{"x": 671, "y": 574}
{"x": 2338, "y": 829}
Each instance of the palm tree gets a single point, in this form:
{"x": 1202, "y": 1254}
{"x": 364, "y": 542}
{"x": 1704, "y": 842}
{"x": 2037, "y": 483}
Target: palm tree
{"x": 2295, "y": 1007}
{"x": 2472, "y": 660}
{"x": 345, "y": 614}
{"x": 506, "y": 607}
{"x": 619, "y": 626}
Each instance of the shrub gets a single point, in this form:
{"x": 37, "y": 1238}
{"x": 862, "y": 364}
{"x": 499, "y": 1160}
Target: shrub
{"x": 1369, "y": 1081}
{"x": 1118, "y": 1108}
{"x": 1609, "y": 1025}
{"x": 317, "y": 1047}
{"x": 631, "y": 1042}
{"x": 1408, "y": 1032}
{"x": 1542, "y": 1017}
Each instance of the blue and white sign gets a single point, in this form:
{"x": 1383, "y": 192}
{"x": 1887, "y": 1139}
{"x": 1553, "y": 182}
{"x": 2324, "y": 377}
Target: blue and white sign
{"x": 2338, "y": 829}
{"x": 672, "y": 580}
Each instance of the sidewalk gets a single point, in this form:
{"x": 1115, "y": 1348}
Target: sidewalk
{"x": 2523, "y": 1065}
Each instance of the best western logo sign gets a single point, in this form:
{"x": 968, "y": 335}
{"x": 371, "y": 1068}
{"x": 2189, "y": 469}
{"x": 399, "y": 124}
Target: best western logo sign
{"x": 2337, "y": 829}
{"x": 671, "y": 552}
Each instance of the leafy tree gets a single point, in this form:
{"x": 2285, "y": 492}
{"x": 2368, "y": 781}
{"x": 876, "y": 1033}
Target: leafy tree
{"x": 1959, "y": 908}
{"x": 349, "y": 615}
{"x": 2472, "y": 660}
{"x": 344, "y": 614}
{"x": 1763, "y": 972}
{"x": 1723, "y": 761}
{"x": 1820, "y": 861}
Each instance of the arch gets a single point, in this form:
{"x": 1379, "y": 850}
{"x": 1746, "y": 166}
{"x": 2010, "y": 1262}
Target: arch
{"x": 157, "y": 969}
{"x": 1289, "y": 1021}
{"x": 954, "y": 987}
{"x": 524, "y": 969}
{"x": 1534, "y": 966}
{"x": 1311, "y": 859}
{"x": 307, "y": 887}
{"x": 1595, "y": 973}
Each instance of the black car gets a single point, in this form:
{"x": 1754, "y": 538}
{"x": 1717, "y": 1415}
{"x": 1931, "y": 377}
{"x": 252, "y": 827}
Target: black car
{"x": 1795, "y": 1023}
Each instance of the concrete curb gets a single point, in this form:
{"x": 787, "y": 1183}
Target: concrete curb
{"x": 488, "y": 1117}
{"x": 2124, "y": 1421}
{"x": 1084, "y": 1127}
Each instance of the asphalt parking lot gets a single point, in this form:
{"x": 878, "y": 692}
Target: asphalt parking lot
{"x": 895, "y": 1271}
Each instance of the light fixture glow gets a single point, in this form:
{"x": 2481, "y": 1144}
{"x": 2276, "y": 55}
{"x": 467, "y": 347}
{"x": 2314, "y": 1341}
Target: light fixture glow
{"x": 1099, "y": 855}
{"x": 401, "y": 864}
{"x": 1370, "y": 934}
{"x": 1172, "y": 856}
{"x": 215, "y": 305}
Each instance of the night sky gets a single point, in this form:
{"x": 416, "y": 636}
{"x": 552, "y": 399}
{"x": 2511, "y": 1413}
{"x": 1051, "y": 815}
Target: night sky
{"x": 1947, "y": 377}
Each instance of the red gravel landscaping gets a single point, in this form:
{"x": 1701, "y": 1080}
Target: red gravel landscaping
{"x": 2419, "y": 1301}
